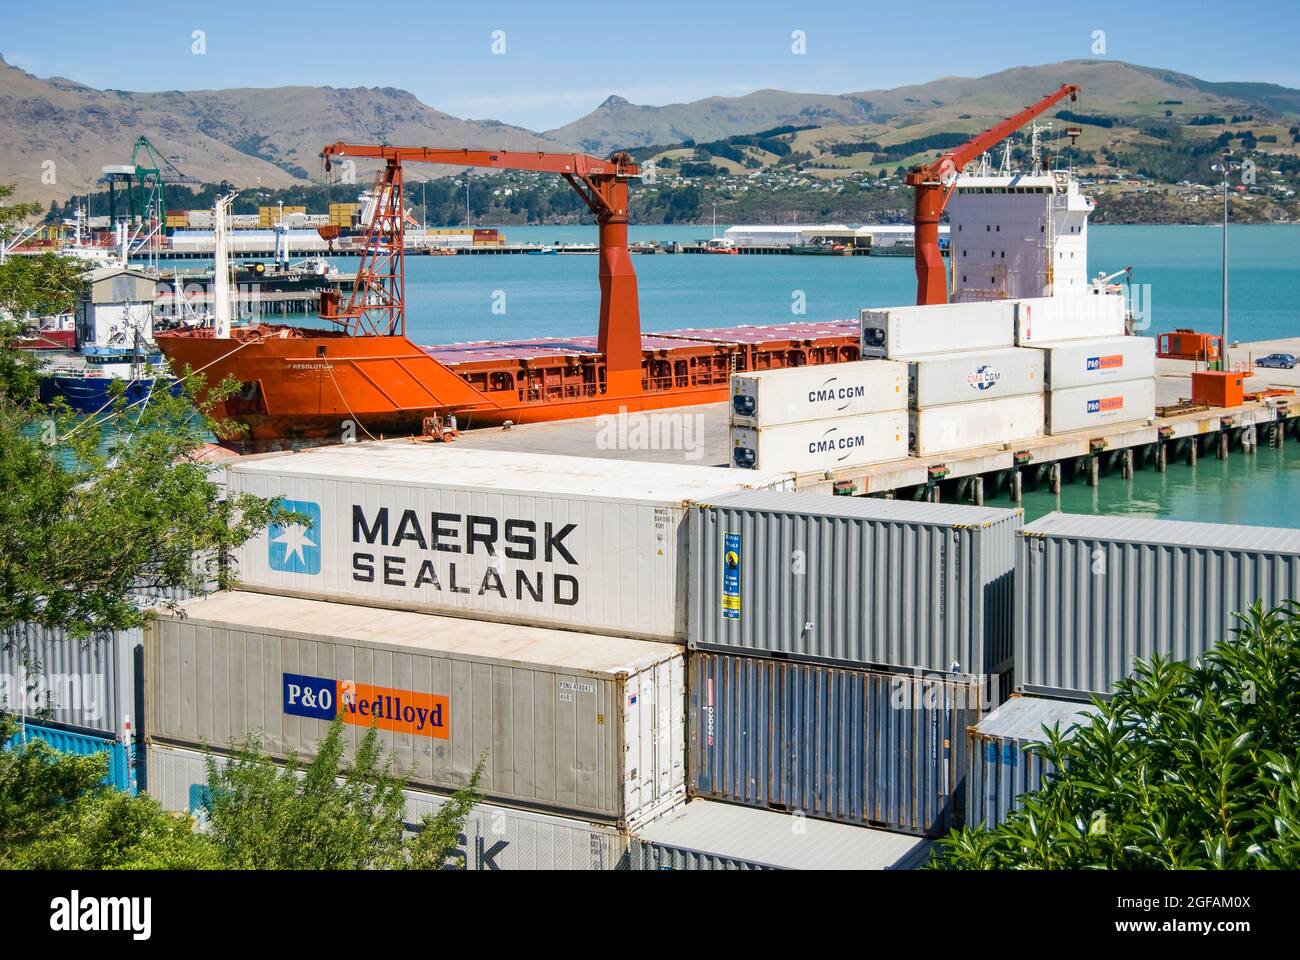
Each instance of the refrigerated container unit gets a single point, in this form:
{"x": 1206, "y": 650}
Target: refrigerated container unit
{"x": 1087, "y": 363}
{"x": 494, "y": 837}
{"x": 120, "y": 775}
{"x": 889, "y": 584}
{"x": 1095, "y": 592}
{"x": 1069, "y": 317}
{"x": 705, "y": 835}
{"x": 573, "y": 723}
{"x": 816, "y": 446}
{"x": 969, "y": 377}
{"x": 773, "y": 398}
{"x": 581, "y": 543}
{"x": 1002, "y": 769}
{"x": 901, "y": 333}
{"x": 981, "y": 423}
{"x": 1103, "y": 404}
{"x": 884, "y": 750}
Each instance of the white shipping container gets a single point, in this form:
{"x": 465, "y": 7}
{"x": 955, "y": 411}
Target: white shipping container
{"x": 494, "y": 837}
{"x": 582, "y": 543}
{"x": 966, "y": 377}
{"x": 984, "y": 423}
{"x": 822, "y": 444}
{"x": 568, "y": 721}
{"x": 1083, "y": 408}
{"x": 1069, "y": 317}
{"x": 903, "y": 332}
{"x": 1082, "y": 363}
{"x": 773, "y": 398}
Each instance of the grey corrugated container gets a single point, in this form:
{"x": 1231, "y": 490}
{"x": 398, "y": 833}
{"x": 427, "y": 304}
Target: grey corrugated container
{"x": 103, "y": 666}
{"x": 1168, "y": 587}
{"x": 876, "y": 583}
{"x": 1000, "y": 767}
{"x": 856, "y": 746}
{"x": 704, "y": 835}
{"x": 92, "y": 682}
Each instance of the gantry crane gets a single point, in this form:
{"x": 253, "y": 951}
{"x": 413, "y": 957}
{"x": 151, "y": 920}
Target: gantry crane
{"x": 146, "y": 176}
{"x": 934, "y": 183}
{"x": 377, "y": 305}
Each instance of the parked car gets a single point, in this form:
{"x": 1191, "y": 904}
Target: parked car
{"x": 1283, "y": 361}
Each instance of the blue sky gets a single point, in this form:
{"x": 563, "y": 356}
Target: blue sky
{"x": 561, "y": 60}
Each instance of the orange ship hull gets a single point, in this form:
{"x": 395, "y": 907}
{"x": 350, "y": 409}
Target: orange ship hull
{"x": 303, "y": 387}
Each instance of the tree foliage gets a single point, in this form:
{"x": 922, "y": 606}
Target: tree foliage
{"x": 96, "y": 511}
{"x": 326, "y": 815}
{"x": 55, "y": 814}
{"x": 42, "y": 285}
{"x": 1186, "y": 767}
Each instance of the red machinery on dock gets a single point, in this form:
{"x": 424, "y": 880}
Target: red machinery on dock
{"x": 302, "y": 383}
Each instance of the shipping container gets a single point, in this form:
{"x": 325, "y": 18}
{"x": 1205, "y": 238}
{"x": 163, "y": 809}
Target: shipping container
{"x": 121, "y": 772}
{"x": 706, "y": 835}
{"x": 901, "y": 333}
{"x": 821, "y": 445}
{"x": 773, "y": 398}
{"x": 1085, "y": 408}
{"x": 1002, "y": 769}
{"x": 1069, "y": 317}
{"x": 856, "y": 746}
{"x": 982, "y": 375}
{"x": 87, "y": 685}
{"x": 1095, "y": 592}
{"x": 570, "y": 722}
{"x": 494, "y": 837}
{"x": 982, "y": 423}
{"x": 1086, "y": 363}
{"x": 881, "y": 583}
{"x": 583, "y": 543}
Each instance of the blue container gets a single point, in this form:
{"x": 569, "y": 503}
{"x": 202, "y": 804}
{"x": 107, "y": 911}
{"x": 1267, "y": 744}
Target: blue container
{"x": 84, "y": 745}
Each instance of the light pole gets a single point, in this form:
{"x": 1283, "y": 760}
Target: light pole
{"x": 1224, "y": 167}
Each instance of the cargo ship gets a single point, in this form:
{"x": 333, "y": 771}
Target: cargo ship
{"x": 303, "y": 384}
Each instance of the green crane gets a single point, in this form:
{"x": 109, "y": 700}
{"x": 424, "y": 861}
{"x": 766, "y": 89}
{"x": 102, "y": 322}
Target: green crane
{"x": 143, "y": 179}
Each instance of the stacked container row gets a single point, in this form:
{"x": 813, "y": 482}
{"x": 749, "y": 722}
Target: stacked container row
{"x": 820, "y": 418}
{"x": 976, "y": 399}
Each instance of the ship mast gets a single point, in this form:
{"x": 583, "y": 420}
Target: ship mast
{"x": 221, "y": 268}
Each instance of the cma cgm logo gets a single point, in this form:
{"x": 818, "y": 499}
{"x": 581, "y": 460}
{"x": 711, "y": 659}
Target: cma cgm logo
{"x": 293, "y": 548}
{"x": 402, "y": 711}
{"x": 829, "y": 443}
{"x": 1113, "y": 362}
{"x": 984, "y": 377}
{"x": 1105, "y": 404}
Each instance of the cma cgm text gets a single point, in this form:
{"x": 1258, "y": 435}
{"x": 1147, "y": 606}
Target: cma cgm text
{"x": 467, "y": 535}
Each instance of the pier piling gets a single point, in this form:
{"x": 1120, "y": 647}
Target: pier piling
{"x": 1054, "y": 478}
{"x": 977, "y": 488}
{"x": 1128, "y": 464}
{"x": 1017, "y": 493}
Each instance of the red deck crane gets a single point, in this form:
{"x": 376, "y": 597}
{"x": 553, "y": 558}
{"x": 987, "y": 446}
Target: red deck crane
{"x": 934, "y": 184}
{"x": 377, "y": 304}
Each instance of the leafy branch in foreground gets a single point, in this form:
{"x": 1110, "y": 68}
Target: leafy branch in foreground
{"x": 1186, "y": 767}
{"x": 327, "y": 815}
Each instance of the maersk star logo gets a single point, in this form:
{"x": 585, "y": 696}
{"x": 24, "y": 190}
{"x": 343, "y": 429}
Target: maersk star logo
{"x": 293, "y": 548}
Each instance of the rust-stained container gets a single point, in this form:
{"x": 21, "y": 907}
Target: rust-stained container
{"x": 854, "y": 746}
